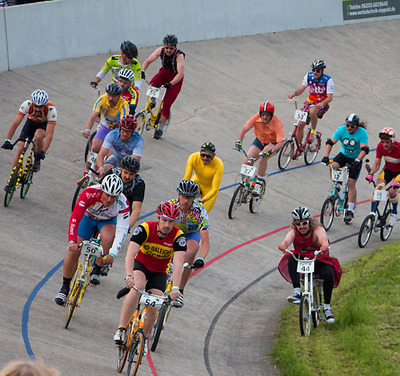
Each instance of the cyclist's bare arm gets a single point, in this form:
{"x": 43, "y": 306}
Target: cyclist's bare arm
{"x": 14, "y": 125}
{"x": 101, "y": 157}
{"x": 297, "y": 92}
{"x": 132, "y": 251}
{"x": 49, "y": 136}
{"x": 377, "y": 164}
{"x": 328, "y": 99}
{"x": 243, "y": 131}
{"x": 205, "y": 243}
{"x": 155, "y": 55}
{"x": 328, "y": 147}
{"x": 89, "y": 125}
{"x": 363, "y": 153}
{"x": 273, "y": 149}
{"x": 136, "y": 208}
{"x": 180, "y": 67}
{"x": 179, "y": 259}
{"x": 322, "y": 238}
{"x": 289, "y": 238}
{"x": 95, "y": 82}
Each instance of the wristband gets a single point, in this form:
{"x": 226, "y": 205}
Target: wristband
{"x": 100, "y": 168}
{"x": 7, "y": 140}
{"x": 113, "y": 256}
{"x": 201, "y": 258}
{"x": 357, "y": 160}
{"x": 87, "y": 129}
{"x": 174, "y": 287}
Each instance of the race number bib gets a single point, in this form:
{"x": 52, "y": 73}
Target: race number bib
{"x": 380, "y": 195}
{"x": 305, "y": 266}
{"x": 89, "y": 249}
{"x": 92, "y": 158}
{"x": 151, "y": 301}
{"x": 338, "y": 175}
{"x": 153, "y": 92}
{"x": 300, "y": 116}
{"x": 247, "y": 170}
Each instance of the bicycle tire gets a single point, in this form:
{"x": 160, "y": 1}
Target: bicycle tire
{"x": 385, "y": 229}
{"x": 84, "y": 183}
{"x": 328, "y": 212}
{"x": 256, "y": 201}
{"x": 123, "y": 350}
{"x": 11, "y": 186}
{"x": 73, "y": 303}
{"x": 135, "y": 354}
{"x": 89, "y": 144}
{"x": 316, "y": 306}
{"x": 141, "y": 120}
{"x": 365, "y": 231}
{"x": 311, "y": 151}
{"x": 27, "y": 181}
{"x": 305, "y": 315}
{"x": 286, "y": 154}
{"x": 159, "y": 326}
{"x": 236, "y": 201}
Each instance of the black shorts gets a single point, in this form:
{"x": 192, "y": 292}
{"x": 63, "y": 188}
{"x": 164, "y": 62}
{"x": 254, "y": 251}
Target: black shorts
{"x": 155, "y": 280}
{"x": 388, "y": 175}
{"x": 354, "y": 171}
{"x": 30, "y": 128}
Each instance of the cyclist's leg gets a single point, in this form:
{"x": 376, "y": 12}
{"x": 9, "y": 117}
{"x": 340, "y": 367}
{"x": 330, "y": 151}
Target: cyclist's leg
{"x": 107, "y": 229}
{"x": 156, "y": 284}
{"x": 300, "y": 132}
{"x": 193, "y": 246}
{"x": 313, "y": 113}
{"x": 354, "y": 173}
{"x": 295, "y": 277}
{"x": 28, "y": 131}
{"x": 326, "y": 272}
{"x": 97, "y": 141}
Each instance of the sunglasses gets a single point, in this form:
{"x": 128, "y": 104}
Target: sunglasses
{"x": 264, "y": 113}
{"x": 302, "y": 223}
{"x": 351, "y": 126}
{"x": 169, "y": 48}
{"x": 385, "y": 140}
{"x": 205, "y": 156}
{"x": 316, "y": 70}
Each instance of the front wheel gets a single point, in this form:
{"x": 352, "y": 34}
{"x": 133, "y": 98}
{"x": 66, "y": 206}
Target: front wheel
{"x": 365, "y": 231}
{"x": 236, "y": 201}
{"x": 255, "y": 201}
{"x": 84, "y": 183}
{"x": 27, "y": 180}
{"x": 305, "y": 315}
{"x": 11, "y": 186}
{"x": 135, "y": 354}
{"x": 386, "y": 230}
{"x": 123, "y": 350}
{"x": 311, "y": 150}
{"x": 88, "y": 146}
{"x": 73, "y": 303}
{"x": 286, "y": 154}
{"x": 141, "y": 120}
{"x": 328, "y": 212}
{"x": 316, "y": 305}
{"x": 159, "y": 326}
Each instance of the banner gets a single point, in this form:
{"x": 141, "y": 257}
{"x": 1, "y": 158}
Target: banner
{"x": 356, "y": 9}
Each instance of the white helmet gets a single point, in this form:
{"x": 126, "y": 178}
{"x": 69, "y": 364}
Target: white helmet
{"x": 112, "y": 185}
{"x": 127, "y": 74}
{"x": 39, "y": 97}
{"x": 300, "y": 213}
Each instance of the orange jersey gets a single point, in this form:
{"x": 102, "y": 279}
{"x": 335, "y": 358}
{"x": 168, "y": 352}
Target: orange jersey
{"x": 271, "y": 132}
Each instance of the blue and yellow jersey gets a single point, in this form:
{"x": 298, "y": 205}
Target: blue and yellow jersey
{"x": 111, "y": 116}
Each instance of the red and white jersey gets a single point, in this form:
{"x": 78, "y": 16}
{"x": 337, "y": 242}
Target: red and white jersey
{"x": 391, "y": 157}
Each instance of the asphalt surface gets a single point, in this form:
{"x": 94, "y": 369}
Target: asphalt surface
{"x": 232, "y": 306}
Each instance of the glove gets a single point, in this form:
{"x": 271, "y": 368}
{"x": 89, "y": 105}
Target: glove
{"x": 143, "y": 74}
{"x": 7, "y": 145}
{"x": 325, "y": 161}
{"x": 265, "y": 154}
{"x": 92, "y": 83}
{"x": 369, "y": 178}
{"x": 40, "y": 154}
{"x": 167, "y": 85}
{"x": 396, "y": 184}
{"x": 198, "y": 263}
{"x": 355, "y": 163}
{"x": 238, "y": 145}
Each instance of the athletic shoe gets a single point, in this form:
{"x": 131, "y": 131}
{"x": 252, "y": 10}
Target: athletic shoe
{"x": 94, "y": 279}
{"x": 36, "y": 165}
{"x": 330, "y": 319}
{"x": 158, "y": 134}
{"x": 152, "y": 103}
{"x": 61, "y": 297}
{"x": 257, "y": 190}
{"x": 178, "y": 303}
{"x": 295, "y": 298}
{"x": 119, "y": 336}
{"x": 83, "y": 177}
{"x": 392, "y": 219}
{"x": 348, "y": 217}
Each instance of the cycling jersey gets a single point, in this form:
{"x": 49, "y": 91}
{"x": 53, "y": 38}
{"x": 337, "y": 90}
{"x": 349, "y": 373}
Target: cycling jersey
{"x": 132, "y": 97}
{"x": 267, "y": 133}
{"x": 120, "y": 149}
{"x": 155, "y": 253}
{"x": 194, "y": 220}
{"x": 114, "y": 63}
{"x": 318, "y": 90}
{"x": 351, "y": 143}
{"x": 169, "y": 62}
{"x": 111, "y": 116}
{"x": 391, "y": 157}
{"x": 48, "y": 115}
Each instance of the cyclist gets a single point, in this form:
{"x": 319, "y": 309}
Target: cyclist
{"x": 389, "y": 149}
{"x": 270, "y": 136}
{"x": 208, "y": 170}
{"x": 98, "y": 207}
{"x": 40, "y": 124}
{"x": 127, "y": 59}
{"x": 170, "y": 75}
{"x": 193, "y": 221}
{"x": 354, "y": 140}
{"x": 129, "y": 92}
{"x": 308, "y": 236}
{"x": 134, "y": 186}
{"x": 120, "y": 142}
{"x": 319, "y": 97}
{"x": 150, "y": 250}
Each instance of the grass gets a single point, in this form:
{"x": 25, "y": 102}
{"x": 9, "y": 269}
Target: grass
{"x": 365, "y": 338}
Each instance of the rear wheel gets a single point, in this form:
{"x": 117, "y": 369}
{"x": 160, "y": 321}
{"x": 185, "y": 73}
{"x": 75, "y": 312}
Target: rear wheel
{"x": 236, "y": 201}
{"x": 305, "y": 315}
{"x": 84, "y": 183}
{"x": 159, "y": 326}
{"x": 386, "y": 230}
{"x": 255, "y": 201}
{"x": 365, "y": 231}
{"x": 27, "y": 181}
{"x": 11, "y": 186}
{"x": 135, "y": 354}
{"x": 286, "y": 154}
{"x": 316, "y": 306}
{"x": 311, "y": 150}
{"x": 328, "y": 212}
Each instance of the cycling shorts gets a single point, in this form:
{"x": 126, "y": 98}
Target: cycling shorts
{"x": 30, "y": 128}
{"x": 155, "y": 280}
{"x": 388, "y": 175}
{"x": 354, "y": 171}
{"x": 321, "y": 112}
{"x": 112, "y": 159}
{"x": 88, "y": 225}
{"x": 260, "y": 145}
{"x": 193, "y": 236}
{"x": 102, "y": 132}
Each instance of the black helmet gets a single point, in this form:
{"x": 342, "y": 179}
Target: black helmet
{"x": 319, "y": 64}
{"x": 114, "y": 89}
{"x": 353, "y": 119}
{"x": 129, "y": 49}
{"x": 188, "y": 188}
{"x": 208, "y": 147}
{"x": 130, "y": 163}
{"x": 170, "y": 40}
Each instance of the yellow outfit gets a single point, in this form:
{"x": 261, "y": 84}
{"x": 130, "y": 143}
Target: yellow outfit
{"x": 208, "y": 177}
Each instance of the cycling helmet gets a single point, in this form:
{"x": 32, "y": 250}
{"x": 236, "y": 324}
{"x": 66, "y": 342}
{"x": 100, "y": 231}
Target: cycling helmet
{"x": 353, "y": 119}
{"x": 112, "y": 185}
{"x": 170, "y": 40}
{"x": 208, "y": 147}
{"x": 267, "y": 107}
{"x": 318, "y": 64}
{"x": 300, "y": 213}
{"x": 114, "y": 89}
{"x": 130, "y": 163}
{"x": 127, "y": 74}
{"x": 129, "y": 49}
{"x": 188, "y": 188}
{"x": 168, "y": 210}
{"x": 39, "y": 97}
{"x": 129, "y": 122}
{"x": 387, "y": 132}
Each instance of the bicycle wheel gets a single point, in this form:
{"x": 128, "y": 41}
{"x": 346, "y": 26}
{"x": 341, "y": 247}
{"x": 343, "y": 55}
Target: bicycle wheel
{"x": 27, "y": 180}
{"x": 236, "y": 201}
{"x": 305, "y": 315}
{"x": 316, "y": 311}
{"x": 328, "y": 212}
{"x": 311, "y": 151}
{"x": 159, "y": 326}
{"x": 123, "y": 350}
{"x": 365, "y": 231}
{"x": 255, "y": 201}
{"x": 11, "y": 186}
{"x": 81, "y": 186}
{"x": 385, "y": 229}
{"x": 135, "y": 354}
{"x": 141, "y": 120}
{"x": 89, "y": 144}
{"x": 286, "y": 154}
{"x": 73, "y": 302}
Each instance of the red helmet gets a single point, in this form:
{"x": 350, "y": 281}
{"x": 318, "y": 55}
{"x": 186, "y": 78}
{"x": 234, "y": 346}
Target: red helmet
{"x": 267, "y": 107}
{"x": 387, "y": 132}
{"x": 168, "y": 210}
{"x": 129, "y": 122}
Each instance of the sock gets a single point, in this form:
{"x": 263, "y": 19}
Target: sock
{"x": 327, "y": 306}
{"x": 351, "y": 206}
{"x": 297, "y": 290}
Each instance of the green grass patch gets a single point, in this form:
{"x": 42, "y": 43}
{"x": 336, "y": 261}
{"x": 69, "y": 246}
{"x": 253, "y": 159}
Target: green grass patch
{"x": 365, "y": 338}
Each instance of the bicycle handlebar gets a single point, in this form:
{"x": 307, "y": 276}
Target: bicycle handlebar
{"x": 316, "y": 253}
{"x": 249, "y": 159}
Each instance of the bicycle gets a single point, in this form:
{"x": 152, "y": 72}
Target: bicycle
{"x": 132, "y": 348}
{"x": 335, "y": 203}
{"x": 146, "y": 118}
{"x": 21, "y": 176}
{"x": 311, "y": 297}
{"x": 90, "y": 249}
{"x": 375, "y": 221}
{"x": 243, "y": 192}
{"x": 292, "y": 150}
